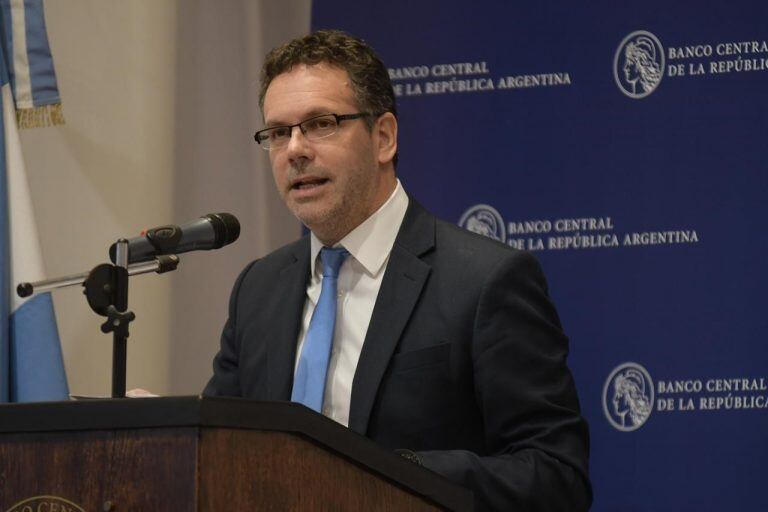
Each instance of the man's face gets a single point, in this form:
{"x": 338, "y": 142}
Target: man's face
{"x": 331, "y": 184}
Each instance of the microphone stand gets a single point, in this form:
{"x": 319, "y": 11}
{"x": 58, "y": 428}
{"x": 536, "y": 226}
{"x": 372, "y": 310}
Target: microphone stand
{"x": 106, "y": 289}
{"x": 118, "y": 318}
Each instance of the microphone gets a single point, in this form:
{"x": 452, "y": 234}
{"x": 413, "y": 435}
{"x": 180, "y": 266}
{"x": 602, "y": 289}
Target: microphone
{"x": 211, "y": 231}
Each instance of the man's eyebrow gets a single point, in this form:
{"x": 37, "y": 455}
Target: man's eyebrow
{"x": 274, "y": 123}
{"x": 312, "y": 113}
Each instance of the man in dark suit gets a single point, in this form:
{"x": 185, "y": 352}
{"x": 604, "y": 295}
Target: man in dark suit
{"x": 442, "y": 343}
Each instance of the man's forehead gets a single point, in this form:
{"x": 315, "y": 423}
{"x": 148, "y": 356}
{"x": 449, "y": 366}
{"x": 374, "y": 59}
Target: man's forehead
{"x": 318, "y": 67}
{"x": 320, "y": 77}
{"x": 306, "y": 87}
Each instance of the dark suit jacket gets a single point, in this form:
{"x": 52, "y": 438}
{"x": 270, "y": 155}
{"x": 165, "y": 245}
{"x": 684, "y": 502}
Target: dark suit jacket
{"x": 464, "y": 362}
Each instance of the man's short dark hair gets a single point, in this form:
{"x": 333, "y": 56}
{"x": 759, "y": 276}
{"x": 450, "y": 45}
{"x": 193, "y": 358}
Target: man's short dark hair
{"x": 370, "y": 78}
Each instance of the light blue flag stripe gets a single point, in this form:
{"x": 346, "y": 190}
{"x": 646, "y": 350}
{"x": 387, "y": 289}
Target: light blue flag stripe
{"x": 41, "y": 72}
{"x": 7, "y": 41}
{"x": 37, "y": 373}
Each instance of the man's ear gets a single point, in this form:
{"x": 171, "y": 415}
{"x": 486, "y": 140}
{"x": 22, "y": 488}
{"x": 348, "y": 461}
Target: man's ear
{"x": 386, "y": 131}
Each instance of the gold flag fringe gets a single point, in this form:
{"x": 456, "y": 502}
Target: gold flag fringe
{"x": 42, "y": 116}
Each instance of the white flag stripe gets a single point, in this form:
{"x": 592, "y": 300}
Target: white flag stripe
{"x": 22, "y": 81}
{"x": 26, "y": 256}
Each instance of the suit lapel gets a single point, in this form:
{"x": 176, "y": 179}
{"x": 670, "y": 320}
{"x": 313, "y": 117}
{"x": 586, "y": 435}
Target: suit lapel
{"x": 281, "y": 347}
{"x": 400, "y": 289}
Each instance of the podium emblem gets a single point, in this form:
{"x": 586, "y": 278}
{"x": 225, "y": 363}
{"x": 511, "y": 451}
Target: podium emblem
{"x": 45, "y": 503}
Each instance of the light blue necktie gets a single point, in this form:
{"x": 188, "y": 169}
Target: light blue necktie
{"x": 309, "y": 382}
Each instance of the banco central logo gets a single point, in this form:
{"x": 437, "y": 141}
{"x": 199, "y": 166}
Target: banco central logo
{"x": 628, "y": 397}
{"x": 638, "y": 65}
{"x": 484, "y": 220}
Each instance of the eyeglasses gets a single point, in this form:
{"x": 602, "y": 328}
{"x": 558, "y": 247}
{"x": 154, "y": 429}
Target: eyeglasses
{"x": 314, "y": 128}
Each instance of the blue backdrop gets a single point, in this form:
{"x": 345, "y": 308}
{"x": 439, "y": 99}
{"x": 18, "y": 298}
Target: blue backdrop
{"x": 624, "y": 143}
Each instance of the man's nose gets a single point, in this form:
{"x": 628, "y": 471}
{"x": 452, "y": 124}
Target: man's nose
{"x": 298, "y": 145}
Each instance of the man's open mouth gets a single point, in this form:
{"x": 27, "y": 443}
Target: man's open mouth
{"x": 308, "y": 183}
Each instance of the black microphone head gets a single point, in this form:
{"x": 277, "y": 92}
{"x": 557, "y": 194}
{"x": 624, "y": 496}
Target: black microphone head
{"x": 225, "y": 226}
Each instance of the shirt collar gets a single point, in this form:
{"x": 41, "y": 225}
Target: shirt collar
{"x": 371, "y": 242}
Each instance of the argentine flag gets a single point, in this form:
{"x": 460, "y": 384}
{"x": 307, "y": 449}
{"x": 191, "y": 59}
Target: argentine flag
{"x": 31, "y": 364}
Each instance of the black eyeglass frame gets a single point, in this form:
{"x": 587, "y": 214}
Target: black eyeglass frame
{"x": 339, "y": 118}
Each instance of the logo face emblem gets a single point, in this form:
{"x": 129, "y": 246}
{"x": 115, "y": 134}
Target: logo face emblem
{"x": 628, "y": 397}
{"x": 484, "y": 220}
{"x": 45, "y": 503}
{"x": 638, "y": 65}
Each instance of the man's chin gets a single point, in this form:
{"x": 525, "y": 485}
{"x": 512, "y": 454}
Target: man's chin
{"x": 327, "y": 225}
{"x": 312, "y": 217}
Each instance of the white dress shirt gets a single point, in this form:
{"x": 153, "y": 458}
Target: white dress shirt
{"x": 369, "y": 246}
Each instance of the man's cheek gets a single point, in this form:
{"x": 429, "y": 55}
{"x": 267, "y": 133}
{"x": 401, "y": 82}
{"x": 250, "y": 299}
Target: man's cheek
{"x": 279, "y": 177}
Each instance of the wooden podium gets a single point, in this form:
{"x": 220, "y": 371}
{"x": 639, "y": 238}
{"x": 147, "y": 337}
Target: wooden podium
{"x": 207, "y": 454}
